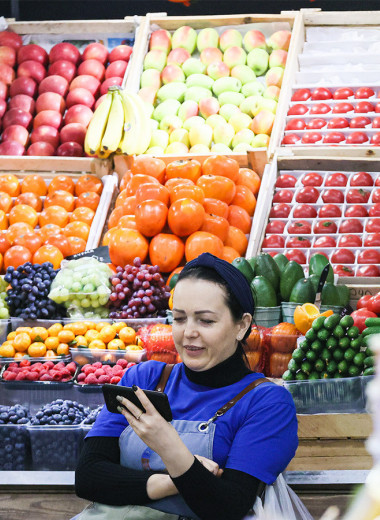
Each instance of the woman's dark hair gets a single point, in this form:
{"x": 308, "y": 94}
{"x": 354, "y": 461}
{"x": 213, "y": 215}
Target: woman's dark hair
{"x": 210, "y": 275}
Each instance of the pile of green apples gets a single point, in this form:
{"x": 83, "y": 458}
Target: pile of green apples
{"x": 206, "y": 91}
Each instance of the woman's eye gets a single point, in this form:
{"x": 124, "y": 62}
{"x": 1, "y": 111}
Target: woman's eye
{"x": 207, "y": 321}
{"x": 178, "y": 320}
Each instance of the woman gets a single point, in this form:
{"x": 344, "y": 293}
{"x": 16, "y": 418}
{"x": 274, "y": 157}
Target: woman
{"x": 203, "y": 465}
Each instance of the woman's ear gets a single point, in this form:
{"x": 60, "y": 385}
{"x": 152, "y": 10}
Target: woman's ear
{"x": 245, "y": 323}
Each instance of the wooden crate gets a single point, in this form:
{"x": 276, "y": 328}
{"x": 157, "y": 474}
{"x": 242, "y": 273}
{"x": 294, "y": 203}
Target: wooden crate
{"x": 171, "y": 23}
{"x": 332, "y": 442}
{"x": 316, "y": 18}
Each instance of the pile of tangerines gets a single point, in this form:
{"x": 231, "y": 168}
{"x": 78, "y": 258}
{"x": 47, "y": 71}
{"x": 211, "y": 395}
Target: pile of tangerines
{"x": 171, "y": 213}
{"x": 42, "y": 221}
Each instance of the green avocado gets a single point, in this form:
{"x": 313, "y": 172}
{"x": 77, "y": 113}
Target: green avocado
{"x": 263, "y": 292}
{"x": 267, "y": 267}
{"x": 281, "y": 261}
{"x": 316, "y": 265}
{"x": 344, "y": 294}
{"x": 252, "y": 263}
{"x": 244, "y": 267}
{"x": 330, "y": 295}
{"x": 289, "y": 276}
{"x": 303, "y": 292}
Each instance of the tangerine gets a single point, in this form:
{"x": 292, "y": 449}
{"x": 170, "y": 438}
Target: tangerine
{"x": 10, "y": 184}
{"x": 3, "y": 220}
{"x": 77, "y": 229}
{"x": 229, "y": 254}
{"x": 202, "y": 242}
{"x": 30, "y": 199}
{"x": 15, "y": 230}
{"x": 48, "y": 253}
{"x": 23, "y": 213}
{"x": 54, "y": 215}
{"x": 6, "y": 201}
{"x": 77, "y": 245}
{"x": 61, "y": 242}
{"x": 237, "y": 239}
{"x": 62, "y": 198}
{"x": 34, "y": 183}
{"x": 15, "y": 256}
{"x": 83, "y": 214}
{"x": 49, "y": 230}
{"x": 31, "y": 241}
{"x": 88, "y": 182}
{"x": 62, "y": 182}
{"x": 90, "y": 199}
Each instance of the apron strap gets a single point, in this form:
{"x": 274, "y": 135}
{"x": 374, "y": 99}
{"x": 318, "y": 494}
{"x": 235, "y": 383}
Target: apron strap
{"x": 237, "y": 397}
{"x": 165, "y": 374}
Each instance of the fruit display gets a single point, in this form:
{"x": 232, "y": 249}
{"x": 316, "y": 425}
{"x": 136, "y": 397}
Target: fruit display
{"x": 4, "y": 309}
{"x": 45, "y": 219}
{"x": 336, "y": 214}
{"x": 99, "y": 374}
{"x": 47, "y": 371}
{"x": 168, "y": 213}
{"x": 213, "y": 89}
{"x": 158, "y": 342}
{"x": 14, "y": 439}
{"x": 48, "y": 96}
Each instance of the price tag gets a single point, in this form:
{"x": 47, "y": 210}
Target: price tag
{"x": 99, "y": 253}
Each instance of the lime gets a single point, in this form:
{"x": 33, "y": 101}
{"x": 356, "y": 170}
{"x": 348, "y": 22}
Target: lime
{"x": 319, "y": 365}
{"x": 293, "y": 366}
{"x": 359, "y": 359}
{"x": 311, "y": 335}
{"x": 326, "y": 354}
{"x": 304, "y": 345}
{"x": 331, "y": 321}
{"x": 368, "y": 352}
{"x": 353, "y": 332}
{"x": 354, "y": 371}
{"x": 316, "y": 346}
{"x": 306, "y": 367}
{"x": 331, "y": 367}
{"x": 370, "y": 371}
{"x": 287, "y": 376}
{"x": 323, "y": 334}
{"x": 369, "y": 361}
{"x": 356, "y": 343}
{"x": 298, "y": 355}
{"x": 301, "y": 376}
{"x": 332, "y": 342}
{"x": 349, "y": 354}
{"x": 338, "y": 332}
{"x": 313, "y": 375}
{"x": 318, "y": 323}
{"x": 346, "y": 322}
{"x": 337, "y": 375}
{"x": 344, "y": 342}
{"x": 343, "y": 367}
{"x": 311, "y": 356}
{"x": 338, "y": 354}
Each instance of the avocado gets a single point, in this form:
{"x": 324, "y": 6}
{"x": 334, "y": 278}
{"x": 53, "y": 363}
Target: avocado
{"x": 267, "y": 267}
{"x": 244, "y": 267}
{"x": 303, "y": 292}
{"x": 263, "y": 292}
{"x": 289, "y": 276}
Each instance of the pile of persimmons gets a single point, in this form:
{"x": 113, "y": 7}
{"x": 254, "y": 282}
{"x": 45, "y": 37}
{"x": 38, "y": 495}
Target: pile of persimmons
{"x": 169, "y": 214}
{"x": 45, "y": 221}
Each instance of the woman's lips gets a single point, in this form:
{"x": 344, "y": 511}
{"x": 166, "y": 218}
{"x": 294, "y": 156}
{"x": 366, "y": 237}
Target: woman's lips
{"x": 192, "y": 350}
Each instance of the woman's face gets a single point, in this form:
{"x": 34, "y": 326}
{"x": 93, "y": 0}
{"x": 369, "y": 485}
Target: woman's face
{"x": 204, "y": 331}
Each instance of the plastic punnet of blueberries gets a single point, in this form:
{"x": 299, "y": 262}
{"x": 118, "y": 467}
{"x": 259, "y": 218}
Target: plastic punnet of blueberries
{"x": 60, "y": 412}
{"x": 14, "y": 439}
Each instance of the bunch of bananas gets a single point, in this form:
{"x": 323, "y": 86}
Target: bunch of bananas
{"x": 120, "y": 124}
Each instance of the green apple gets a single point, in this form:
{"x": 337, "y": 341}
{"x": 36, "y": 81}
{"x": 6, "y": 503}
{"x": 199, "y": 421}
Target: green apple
{"x": 171, "y": 73}
{"x": 254, "y": 39}
{"x": 234, "y": 98}
{"x": 151, "y": 78}
{"x": 169, "y": 107}
{"x": 176, "y": 148}
{"x": 220, "y": 148}
{"x": 170, "y": 123}
{"x": 197, "y": 93}
{"x": 260, "y": 141}
{"x": 234, "y": 56}
{"x": 200, "y": 149}
{"x": 244, "y": 73}
{"x": 155, "y": 150}
{"x": 226, "y": 85}
{"x": 215, "y": 120}
{"x": 153, "y": 124}
{"x": 223, "y": 134}
{"x": 243, "y": 136}
{"x": 272, "y": 92}
{"x": 208, "y": 37}
{"x": 155, "y": 59}
{"x": 201, "y": 134}
{"x": 199, "y": 80}
{"x": 159, "y": 138}
{"x": 258, "y": 60}
{"x": 188, "y": 109}
{"x": 230, "y": 38}
{"x": 243, "y": 148}
{"x": 185, "y": 37}
{"x": 175, "y": 90}
{"x": 227, "y": 110}
{"x": 193, "y": 121}
{"x": 268, "y": 104}
{"x": 253, "y": 88}
{"x": 250, "y": 105}
{"x": 208, "y": 107}
{"x": 193, "y": 66}
{"x": 180, "y": 135}
{"x": 218, "y": 70}
{"x": 239, "y": 121}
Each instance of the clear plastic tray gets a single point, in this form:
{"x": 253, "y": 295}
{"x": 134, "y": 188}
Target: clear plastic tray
{"x": 31, "y": 384}
{"x": 85, "y": 355}
{"x": 14, "y": 447}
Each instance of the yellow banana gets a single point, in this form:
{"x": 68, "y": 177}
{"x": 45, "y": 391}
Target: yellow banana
{"x": 115, "y": 123}
{"x": 146, "y": 128}
{"x": 137, "y": 131}
{"x": 97, "y": 126}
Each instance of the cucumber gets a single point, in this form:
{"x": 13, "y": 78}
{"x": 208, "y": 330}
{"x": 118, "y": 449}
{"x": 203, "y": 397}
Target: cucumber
{"x": 281, "y": 261}
{"x": 372, "y": 322}
{"x": 303, "y": 292}
{"x": 263, "y": 292}
{"x": 371, "y": 330}
{"x": 330, "y": 295}
{"x": 369, "y": 361}
{"x": 289, "y": 276}
{"x": 370, "y": 371}
{"x": 316, "y": 265}
{"x": 267, "y": 267}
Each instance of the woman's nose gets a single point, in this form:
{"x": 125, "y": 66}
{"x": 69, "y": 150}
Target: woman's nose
{"x": 190, "y": 329}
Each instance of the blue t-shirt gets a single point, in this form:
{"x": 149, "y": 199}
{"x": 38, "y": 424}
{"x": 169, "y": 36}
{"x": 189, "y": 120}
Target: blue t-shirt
{"x": 258, "y": 435}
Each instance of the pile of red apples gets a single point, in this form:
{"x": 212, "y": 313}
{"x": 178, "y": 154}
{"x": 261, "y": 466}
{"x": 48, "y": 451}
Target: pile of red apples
{"x": 47, "y": 99}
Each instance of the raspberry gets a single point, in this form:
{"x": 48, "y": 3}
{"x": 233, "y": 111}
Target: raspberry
{"x": 9, "y": 376}
{"x": 97, "y": 364}
{"x": 12, "y": 365}
{"x": 91, "y": 379}
{"x": 25, "y": 363}
{"x": 65, "y": 373}
{"x": 32, "y": 376}
{"x": 48, "y": 364}
{"x": 21, "y": 376}
{"x": 115, "y": 380}
{"x": 130, "y": 364}
{"x": 99, "y": 372}
{"x": 46, "y": 377}
{"x": 71, "y": 367}
{"x": 117, "y": 370}
{"x": 88, "y": 369}
{"x": 60, "y": 365}
{"x": 122, "y": 362}
{"x": 16, "y": 369}
{"x": 104, "y": 379}
{"x": 81, "y": 377}
{"x": 107, "y": 369}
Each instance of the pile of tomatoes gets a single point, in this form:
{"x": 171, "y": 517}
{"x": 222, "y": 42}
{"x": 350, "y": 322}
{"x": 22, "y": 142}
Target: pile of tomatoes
{"x": 177, "y": 211}
{"x": 42, "y": 221}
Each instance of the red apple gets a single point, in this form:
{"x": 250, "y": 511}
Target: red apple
{"x": 338, "y": 122}
{"x": 360, "y": 122}
{"x": 99, "y": 100}
{"x": 73, "y": 132}
{"x": 32, "y": 69}
{"x": 298, "y": 110}
{"x": 55, "y": 83}
{"x": 7, "y": 74}
{"x": 334, "y": 137}
{"x": 79, "y": 114}
{"x": 32, "y": 52}
{"x": 7, "y": 55}
{"x": 23, "y": 85}
{"x": 49, "y": 134}
{"x": 364, "y": 93}
{"x": 320, "y": 108}
{"x": 3, "y": 90}
{"x": 295, "y": 124}
{"x": 70, "y": 149}
{"x": 302, "y": 94}
{"x": 376, "y": 122}
{"x": 24, "y": 102}
{"x": 64, "y": 51}
{"x": 357, "y": 138}
{"x": 375, "y": 140}
{"x": 109, "y": 83}
{"x": 116, "y": 69}
{"x": 291, "y": 139}
{"x": 16, "y": 116}
{"x": 63, "y": 68}
{"x": 321, "y": 93}
{"x": 16, "y": 133}
{"x": 80, "y": 96}
{"x": 11, "y": 148}
{"x": 3, "y": 107}
{"x": 311, "y": 137}
{"x": 120, "y": 52}
{"x": 50, "y": 101}
{"x": 10, "y": 39}
{"x": 363, "y": 107}
{"x": 49, "y": 118}
{"x": 342, "y": 108}
{"x": 377, "y": 108}
{"x": 88, "y": 82}
{"x": 316, "y": 123}
{"x": 343, "y": 93}
{"x": 92, "y": 68}
{"x": 40, "y": 148}
{"x": 96, "y": 51}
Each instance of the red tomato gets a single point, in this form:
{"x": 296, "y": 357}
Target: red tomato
{"x": 298, "y": 242}
{"x": 275, "y": 226}
{"x": 334, "y": 196}
{"x": 360, "y": 316}
{"x": 368, "y": 270}
{"x": 325, "y": 242}
{"x": 350, "y": 241}
{"x": 377, "y": 181}
{"x": 307, "y": 194}
{"x": 374, "y": 304}
{"x": 325, "y": 226}
{"x": 298, "y": 110}
{"x": 296, "y": 255}
{"x": 280, "y": 211}
{"x": 372, "y": 240}
{"x": 374, "y": 210}
{"x": 343, "y": 270}
{"x": 357, "y": 195}
{"x": 283, "y": 196}
{"x": 361, "y": 179}
{"x": 357, "y": 210}
{"x": 274, "y": 241}
{"x": 373, "y": 225}
{"x": 362, "y": 302}
{"x": 369, "y": 256}
{"x": 312, "y": 179}
{"x": 376, "y": 196}
{"x": 351, "y": 225}
{"x": 286, "y": 181}
{"x": 304, "y": 211}
{"x": 316, "y": 124}
{"x": 298, "y": 227}
{"x": 343, "y": 256}
{"x": 330, "y": 210}
{"x": 336, "y": 179}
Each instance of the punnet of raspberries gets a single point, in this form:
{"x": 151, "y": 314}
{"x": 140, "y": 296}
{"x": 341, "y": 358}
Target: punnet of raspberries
{"x": 99, "y": 374}
{"x": 26, "y": 370}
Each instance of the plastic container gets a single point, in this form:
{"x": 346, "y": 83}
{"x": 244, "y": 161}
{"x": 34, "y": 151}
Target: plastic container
{"x": 14, "y": 447}
{"x": 365, "y": 380}
{"x": 82, "y": 356}
{"x": 267, "y": 316}
{"x": 337, "y": 309}
{"x": 288, "y": 309}
{"x": 5, "y": 326}
{"x": 18, "y": 322}
{"x": 55, "y": 448}
{"x": 327, "y": 395}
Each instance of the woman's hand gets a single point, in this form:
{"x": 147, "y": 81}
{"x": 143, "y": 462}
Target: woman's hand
{"x": 210, "y": 465}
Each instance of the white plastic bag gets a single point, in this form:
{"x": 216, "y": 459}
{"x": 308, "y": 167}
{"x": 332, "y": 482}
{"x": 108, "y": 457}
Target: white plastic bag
{"x": 280, "y": 503}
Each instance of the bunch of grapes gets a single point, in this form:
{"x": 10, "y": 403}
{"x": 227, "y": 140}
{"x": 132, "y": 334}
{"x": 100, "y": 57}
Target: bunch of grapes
{"x": 138, "y": 291}
{"x": 27, "y": 297}
{"x": 4, "y": 309}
